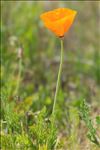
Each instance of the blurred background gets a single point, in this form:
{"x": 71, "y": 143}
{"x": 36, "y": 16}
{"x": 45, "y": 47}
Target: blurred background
{"x": 21, "y": 26}
{"x": 23, "y": 29}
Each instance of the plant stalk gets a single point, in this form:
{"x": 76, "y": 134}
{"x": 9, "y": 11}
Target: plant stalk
{"x": 58, "y": 79}
{"x": 19, "y": 76}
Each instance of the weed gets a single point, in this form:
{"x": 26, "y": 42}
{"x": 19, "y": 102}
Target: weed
{"x": 84, "y": 111}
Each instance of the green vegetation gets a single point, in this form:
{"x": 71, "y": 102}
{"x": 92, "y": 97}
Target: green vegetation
{"x": 30, "y": 57}
{"x": 84, "y": 109}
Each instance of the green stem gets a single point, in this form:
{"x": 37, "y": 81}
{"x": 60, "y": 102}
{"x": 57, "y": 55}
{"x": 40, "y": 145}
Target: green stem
{"x": 59, "y": 76}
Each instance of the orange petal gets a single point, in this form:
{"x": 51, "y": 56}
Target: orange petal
{"x": 59, "y": 20}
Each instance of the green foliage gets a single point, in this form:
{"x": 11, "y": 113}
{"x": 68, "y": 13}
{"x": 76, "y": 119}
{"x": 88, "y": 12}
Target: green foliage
{"x": 7, "y": 111}
{"x": 27, "y": 88}
{"x": 98, "y": 120}
{"x": 74, "y": 123}
{"x": 15, "y": 141}
{"x": 84, "y": 111}
{"x": 97, "y": 66}
{"x": 44, "y": 131}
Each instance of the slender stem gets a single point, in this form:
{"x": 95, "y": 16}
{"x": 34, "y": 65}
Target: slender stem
{"x": 59, "y": 76}
{"x": 19, "y": 76}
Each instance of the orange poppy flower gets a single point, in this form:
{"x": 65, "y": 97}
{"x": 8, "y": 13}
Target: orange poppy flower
{"x": 59, "y": 20}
